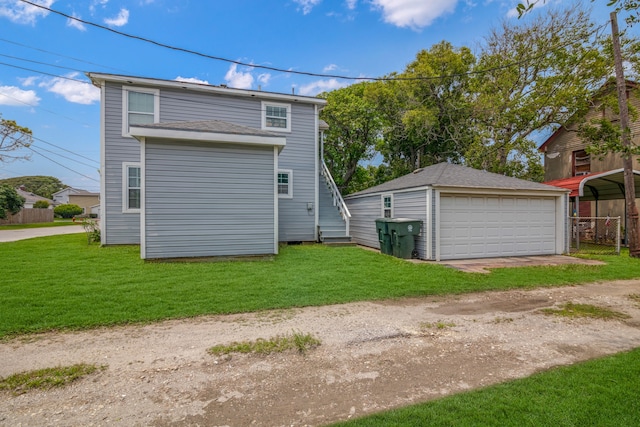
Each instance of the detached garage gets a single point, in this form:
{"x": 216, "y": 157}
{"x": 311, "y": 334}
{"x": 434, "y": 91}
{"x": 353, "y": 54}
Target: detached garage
{"x": 466, "y": 213}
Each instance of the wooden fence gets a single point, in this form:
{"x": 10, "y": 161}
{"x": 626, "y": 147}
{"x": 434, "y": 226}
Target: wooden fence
{"x": 29, "y": 216}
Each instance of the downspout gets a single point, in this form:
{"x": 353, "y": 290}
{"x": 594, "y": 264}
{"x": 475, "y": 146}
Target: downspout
{"x": 318, "y": 166}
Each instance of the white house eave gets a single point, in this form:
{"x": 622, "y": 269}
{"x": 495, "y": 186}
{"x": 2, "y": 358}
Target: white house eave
{"x": 378, "y": 193}
{"x": 182, "y": 135}
{"x": 469, "y": 190}
{"x": 98, "y": 78}
{"x": 501, "y": 191}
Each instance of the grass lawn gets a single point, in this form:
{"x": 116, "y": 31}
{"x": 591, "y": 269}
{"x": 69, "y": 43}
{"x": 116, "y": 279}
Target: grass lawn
{"x": 60, "y": 282}
{"x": 601, "y": 392}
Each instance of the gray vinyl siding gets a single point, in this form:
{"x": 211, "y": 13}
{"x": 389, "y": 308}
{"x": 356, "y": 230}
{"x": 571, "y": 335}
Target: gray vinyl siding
{"x": 120, "y": 228}
{"x": 364, "y": 212}
{"x": 296, "y": 222}
{"x": 413, "y": 205}
{"x": 204, "y": 199}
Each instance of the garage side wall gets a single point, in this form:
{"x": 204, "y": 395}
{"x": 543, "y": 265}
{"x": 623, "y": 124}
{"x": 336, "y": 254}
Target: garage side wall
{"x": 203, "y": 199}
{"x": 413, "y": 204}
{"x": 364, "y": 212}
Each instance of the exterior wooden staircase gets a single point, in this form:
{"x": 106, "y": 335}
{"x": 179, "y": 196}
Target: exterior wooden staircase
{"x": 334, "y": 216}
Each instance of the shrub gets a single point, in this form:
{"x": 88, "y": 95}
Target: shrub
{"x": 41, "y": 204}
{"x": 10, "y": 201}
{"x": 67, "y": 211}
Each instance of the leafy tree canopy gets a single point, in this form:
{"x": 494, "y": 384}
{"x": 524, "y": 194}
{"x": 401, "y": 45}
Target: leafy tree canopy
{"x": 13, "y": 137}
{"x": 486, "y": 110}
{"x": 43, "y": 186}
{"x": 630, "y": 6}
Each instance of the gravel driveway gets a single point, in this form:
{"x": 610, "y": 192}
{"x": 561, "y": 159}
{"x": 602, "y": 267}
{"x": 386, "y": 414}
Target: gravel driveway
{"x": 374, "y": 356}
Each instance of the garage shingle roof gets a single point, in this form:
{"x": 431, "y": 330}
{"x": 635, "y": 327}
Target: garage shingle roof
{"x": 450, "y": 175}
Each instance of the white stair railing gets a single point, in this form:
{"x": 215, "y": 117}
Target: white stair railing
{"x": 338, "y": 201}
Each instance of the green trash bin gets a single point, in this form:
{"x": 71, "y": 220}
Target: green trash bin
{"x": 403, "y": 232}
{"x": 382, "y": 227}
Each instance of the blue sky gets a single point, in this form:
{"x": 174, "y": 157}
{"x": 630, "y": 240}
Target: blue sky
{"x": 43, "y": 55}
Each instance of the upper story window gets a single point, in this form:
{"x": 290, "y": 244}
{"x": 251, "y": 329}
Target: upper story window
{"x": 131, "y": 187}
{"x": 276, "y": 117}
{"x": 285, "y": 184}
{"x": 581, "y": 163}
{"x": 140, "y": 106}
{"x": 387, "y": 206}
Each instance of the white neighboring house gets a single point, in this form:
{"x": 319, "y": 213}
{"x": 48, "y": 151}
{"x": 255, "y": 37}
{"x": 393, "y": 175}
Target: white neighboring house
{"x": 83, "y": 198}
{"x": 62, "y": 197}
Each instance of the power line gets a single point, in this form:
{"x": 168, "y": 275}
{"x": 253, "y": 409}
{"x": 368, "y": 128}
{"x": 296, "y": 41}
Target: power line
{"x": 38, "y": 62}
{"x": 64, "y": 149}
{"x": 289, "y": 71}
{"x": 45, "y": 73}
{"x": 42, "y": 108}
{"x": 60, "y": 164}
{"x": 65, "y": 157}
{"x": 59, "y": 54}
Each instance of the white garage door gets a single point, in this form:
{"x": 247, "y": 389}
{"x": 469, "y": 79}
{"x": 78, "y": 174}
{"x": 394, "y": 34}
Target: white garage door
{"x": 488, "y": 226}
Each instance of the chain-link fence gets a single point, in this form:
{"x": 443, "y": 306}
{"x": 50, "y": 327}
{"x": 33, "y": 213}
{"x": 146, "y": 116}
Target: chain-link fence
{"x": 595, "y": 235}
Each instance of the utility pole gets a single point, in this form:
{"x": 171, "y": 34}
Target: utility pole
{"x": 627, "y": 161}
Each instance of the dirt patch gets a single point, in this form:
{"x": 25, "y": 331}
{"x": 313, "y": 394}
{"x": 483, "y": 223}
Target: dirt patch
{"x": 374, "y": 356}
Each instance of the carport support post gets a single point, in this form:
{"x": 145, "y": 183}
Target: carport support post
{"x": 629, "y": 184}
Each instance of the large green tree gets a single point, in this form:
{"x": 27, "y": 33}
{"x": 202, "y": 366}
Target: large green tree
{"x": 427, "y": 109}
{"x": 354, "y": 129}
{"x": 532, "y": 77}
{"x": 13, "y": 138}
{"x": 629, "y": 6}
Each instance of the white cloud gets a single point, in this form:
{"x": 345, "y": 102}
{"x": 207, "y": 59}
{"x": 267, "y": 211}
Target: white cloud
{"x": 120, "y": 20}
{"x": 414, "y": 14}
{"x": 351, "y": 4}
{"x": 76, "y": 24}
{"x": 319, "y": 86}
{"x": 11, "y": 95}
{"x": 264, "y": 78}
{"x": 330, "y": 67}
{"x": 28, "y": 81}
{"x": 23, "y": 13}
{"x": 306, "y": 5}
{"x": 73, "y": 91}
{"x": 239, "y": 79}
{"x": 96, "y": 3}
{"x": 191, "y": 80}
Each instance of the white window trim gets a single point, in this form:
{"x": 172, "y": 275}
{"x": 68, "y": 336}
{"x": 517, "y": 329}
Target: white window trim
{"x": 289, "y": 195}
{"x": 264, "y": 116}
{"x": 382, "y": 197}
{"x": 125, "y": 186}
{"x": 125, "y": 106}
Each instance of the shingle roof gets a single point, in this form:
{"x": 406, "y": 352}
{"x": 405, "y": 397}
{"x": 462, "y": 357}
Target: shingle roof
{"x": 212, "y": 126}
{"x": 30, "y": 197}
{"x": 450, "y": 175}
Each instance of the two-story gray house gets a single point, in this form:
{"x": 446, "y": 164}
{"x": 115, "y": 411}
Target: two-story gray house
{"x": 195, "y": 170}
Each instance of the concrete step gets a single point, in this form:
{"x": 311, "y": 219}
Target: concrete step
{"x": 338, "y": 241}
{"x": 332, "y": 232}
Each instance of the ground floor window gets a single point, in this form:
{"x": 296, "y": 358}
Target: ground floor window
{"x": 387, "y": 206}
{"x": 285, "y": 183}
{"x": 132, "y": 187}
